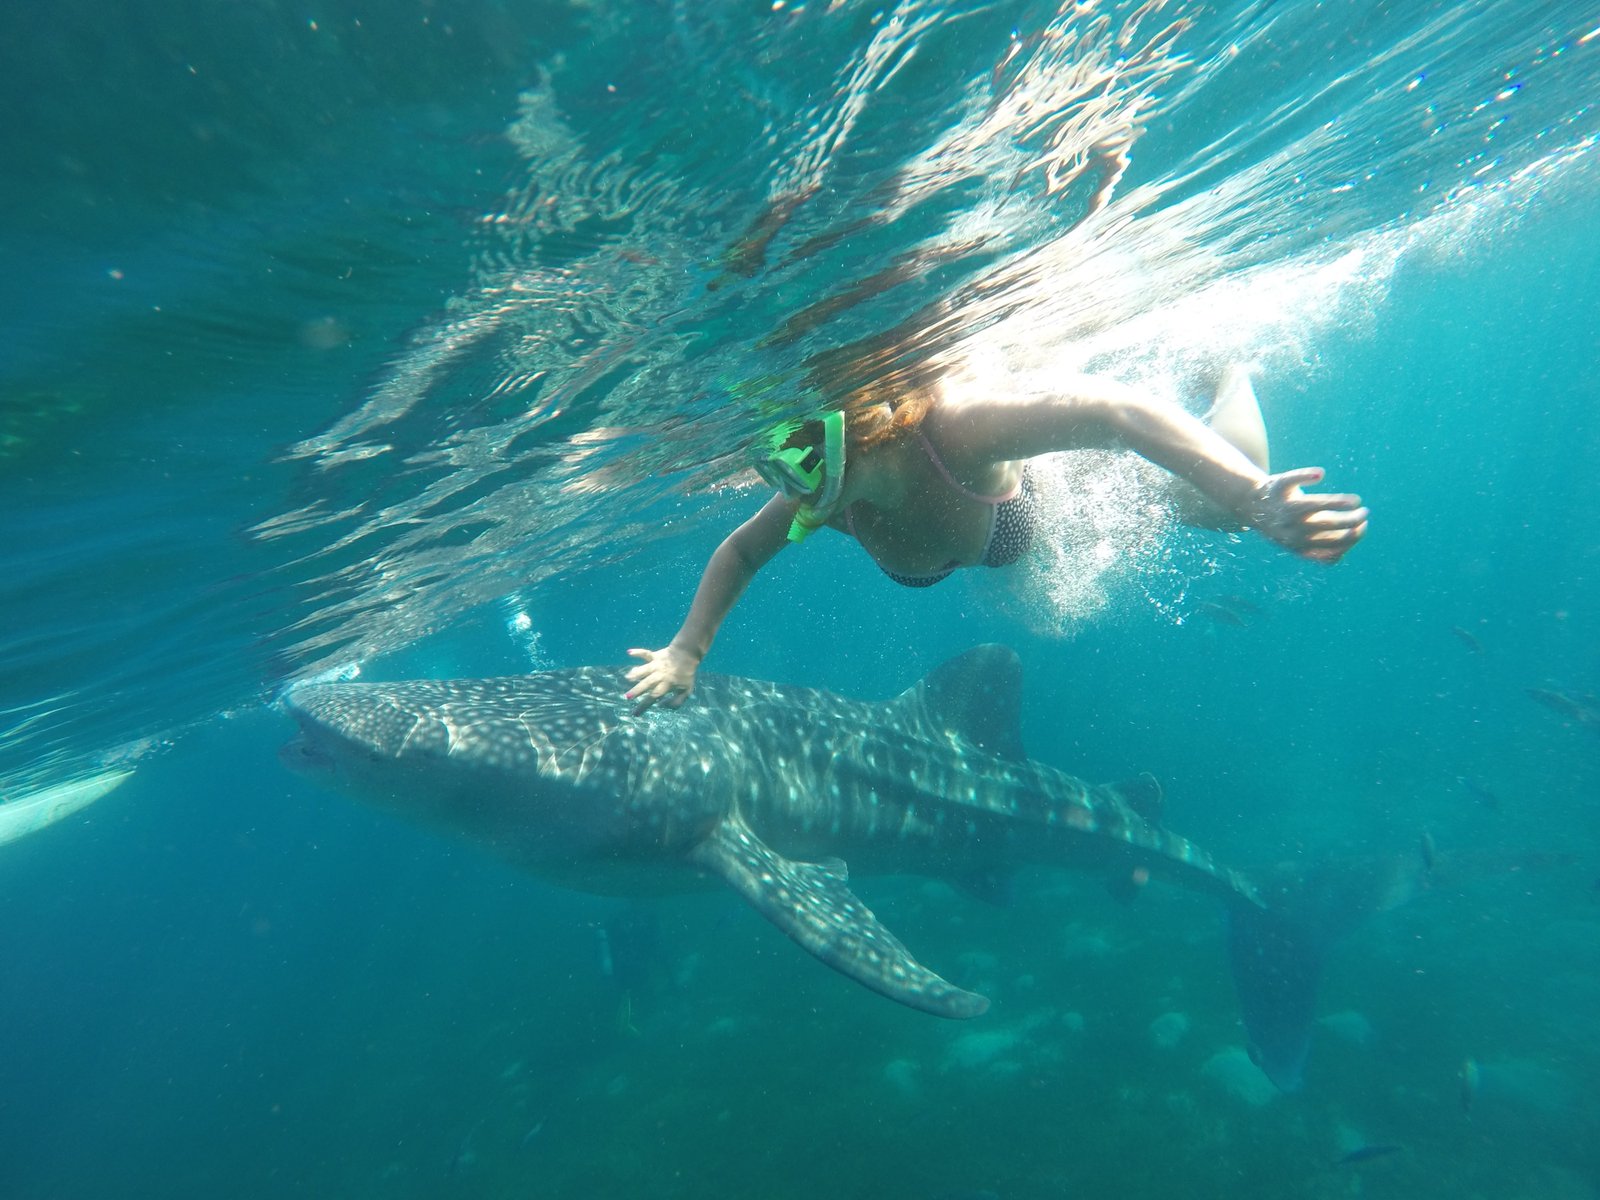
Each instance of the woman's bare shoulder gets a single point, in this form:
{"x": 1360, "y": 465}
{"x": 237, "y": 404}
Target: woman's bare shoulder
{"x": 978, "y": 419}
{"x": 963, "y": 386}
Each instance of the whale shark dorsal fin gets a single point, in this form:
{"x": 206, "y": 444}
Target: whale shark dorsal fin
{"x": 977, "y": 695}
{"x": 811, "y": 903}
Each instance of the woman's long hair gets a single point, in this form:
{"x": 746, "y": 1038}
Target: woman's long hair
{"x": 882, "y": 400}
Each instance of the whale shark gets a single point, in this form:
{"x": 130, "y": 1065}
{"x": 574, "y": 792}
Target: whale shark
{"x": 780, "y": 792}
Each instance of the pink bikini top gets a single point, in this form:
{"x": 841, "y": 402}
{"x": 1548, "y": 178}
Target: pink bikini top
{"x": 994, "y": 502}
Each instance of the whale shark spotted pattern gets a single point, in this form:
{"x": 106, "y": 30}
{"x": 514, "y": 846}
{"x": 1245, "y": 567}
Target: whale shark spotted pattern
{"x": 772, "y": 789}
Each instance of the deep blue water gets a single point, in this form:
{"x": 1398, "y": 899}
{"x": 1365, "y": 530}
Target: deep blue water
{"x": 231, "y": 239}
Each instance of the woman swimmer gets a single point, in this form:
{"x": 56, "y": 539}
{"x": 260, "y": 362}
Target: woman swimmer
{"x": 937, "y": 478}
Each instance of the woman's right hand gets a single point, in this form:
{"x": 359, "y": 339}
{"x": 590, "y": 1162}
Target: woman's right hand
{"x": 1321, "y": 526}
{"x": 664, "y": 677}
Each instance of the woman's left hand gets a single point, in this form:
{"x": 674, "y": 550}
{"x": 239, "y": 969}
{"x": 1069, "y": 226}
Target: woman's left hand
{"x": 1321, "y": 526}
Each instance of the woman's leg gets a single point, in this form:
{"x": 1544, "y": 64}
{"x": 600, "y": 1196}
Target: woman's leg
{"x": 1236, "y": 415}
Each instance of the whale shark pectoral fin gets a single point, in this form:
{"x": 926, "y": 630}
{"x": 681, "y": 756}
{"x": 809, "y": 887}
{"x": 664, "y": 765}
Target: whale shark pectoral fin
{"x": 811, "y": 903}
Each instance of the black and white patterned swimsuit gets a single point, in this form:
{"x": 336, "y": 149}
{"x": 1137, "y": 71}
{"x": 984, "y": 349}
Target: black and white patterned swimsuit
{"x": 1013, "y": 517}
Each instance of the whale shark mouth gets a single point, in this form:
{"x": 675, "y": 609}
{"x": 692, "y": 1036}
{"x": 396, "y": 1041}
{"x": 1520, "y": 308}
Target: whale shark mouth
{"x": 304, "y": 757}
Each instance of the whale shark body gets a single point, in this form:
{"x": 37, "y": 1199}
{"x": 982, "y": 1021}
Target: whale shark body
{"x": 773, "y": 790}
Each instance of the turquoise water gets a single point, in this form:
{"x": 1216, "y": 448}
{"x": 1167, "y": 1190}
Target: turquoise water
{"x": 340, "y": 335}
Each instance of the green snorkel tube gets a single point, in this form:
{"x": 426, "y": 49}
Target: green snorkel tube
{"x": 812, "y": 517}
{"x": 800, "y": 470}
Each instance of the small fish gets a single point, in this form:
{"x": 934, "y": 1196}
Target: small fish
{"x": 1469, "y": 1077}
{"x": 1467, "y": 639}
{"x": 1241, "y": 604}
{"x": 465, "y": 1156}
{"x": 1430, "y": 852}
{"x": 625, "y": 1016}
{"x": 1582, "y": 708}
{"x": 529, "y": 1137}
{"x": 1221, "y": 614}
{"x": 1367, "y": 1153}
{"x": 1479, "y": 791}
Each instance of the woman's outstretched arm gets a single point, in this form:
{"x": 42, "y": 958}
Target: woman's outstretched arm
{"x": 1095, "y": 412}
{"x": 666, "y": 676}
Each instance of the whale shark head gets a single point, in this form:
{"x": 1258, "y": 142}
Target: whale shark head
{"x": 540, "y": 769}
{"x": 464, "y": 733}
{"x": 552, "y": 772}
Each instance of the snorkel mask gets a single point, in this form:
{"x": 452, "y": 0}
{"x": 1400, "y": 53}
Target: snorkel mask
{"x": 798, "y": 471}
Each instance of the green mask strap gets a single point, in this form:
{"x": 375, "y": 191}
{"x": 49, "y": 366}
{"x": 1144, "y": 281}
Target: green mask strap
{"x": 812, "y": 517}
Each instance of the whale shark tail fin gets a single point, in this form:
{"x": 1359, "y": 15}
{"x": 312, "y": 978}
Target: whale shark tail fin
{"x": 1277, "y": 967}
{"x": 1277, "y": 951}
